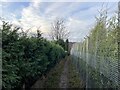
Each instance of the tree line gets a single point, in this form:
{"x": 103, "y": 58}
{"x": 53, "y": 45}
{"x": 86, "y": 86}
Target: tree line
{"x": 103, "y": 38}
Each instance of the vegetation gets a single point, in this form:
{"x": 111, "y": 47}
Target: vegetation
{"x": 103, "y": 38}
{"x": 53, "y": 78}
{"x": 26, "y": 58}
{"x": 98, "y": 60}
{"x": 74, "y": 80}
{"x": 59, "y": 31}
{"x": 64, "y": 44}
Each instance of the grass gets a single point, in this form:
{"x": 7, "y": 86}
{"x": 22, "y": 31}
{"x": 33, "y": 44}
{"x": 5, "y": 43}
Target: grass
{"x": 74, "y": 76}
{"x": 54, "y": 75}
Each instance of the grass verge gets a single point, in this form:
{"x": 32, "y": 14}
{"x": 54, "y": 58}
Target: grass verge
{"x": 73, "y": 76}
{"x": 54, "y": 75}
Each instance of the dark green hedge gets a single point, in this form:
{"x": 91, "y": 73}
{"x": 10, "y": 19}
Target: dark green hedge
{"x": 25, "y": 59}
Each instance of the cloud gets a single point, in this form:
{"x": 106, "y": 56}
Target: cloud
{"x": 60, "y": 0}
{"x": 78, "y": 29}
{"x": 79, "y": 17}
{"x": 31, "y": 19}
{"x": 62, "y": 9}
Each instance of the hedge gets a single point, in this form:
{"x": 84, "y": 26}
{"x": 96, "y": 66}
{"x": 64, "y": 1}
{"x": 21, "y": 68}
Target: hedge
{"x": 24, "y": 58}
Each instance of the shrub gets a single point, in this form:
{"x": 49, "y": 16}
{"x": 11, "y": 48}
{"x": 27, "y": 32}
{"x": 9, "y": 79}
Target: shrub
{"x": 26, "y": 58}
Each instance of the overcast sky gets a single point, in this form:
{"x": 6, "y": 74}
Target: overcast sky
{"x": 79, "y": 16}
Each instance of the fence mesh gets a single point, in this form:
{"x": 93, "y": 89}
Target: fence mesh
{"x": 96, "y": 71}
{"x": 97, "y": 58}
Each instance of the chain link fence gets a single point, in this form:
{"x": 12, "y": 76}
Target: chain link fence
{"x": 96, "y": 71}
{"x": 97, "y": 57}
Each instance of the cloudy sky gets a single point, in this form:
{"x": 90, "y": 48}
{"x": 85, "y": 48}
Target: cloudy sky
{"x": 79, "y": 16}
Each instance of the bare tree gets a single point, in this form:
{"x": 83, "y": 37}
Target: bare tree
{"x": 58, "y": 30}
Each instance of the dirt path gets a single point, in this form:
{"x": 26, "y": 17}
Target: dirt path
{"x": 64, "y": 76}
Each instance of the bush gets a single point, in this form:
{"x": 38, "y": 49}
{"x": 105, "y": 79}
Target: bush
{"x": 26, "y": 58}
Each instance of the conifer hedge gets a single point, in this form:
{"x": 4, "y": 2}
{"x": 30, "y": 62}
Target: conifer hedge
{"x": 25, "y": 59}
